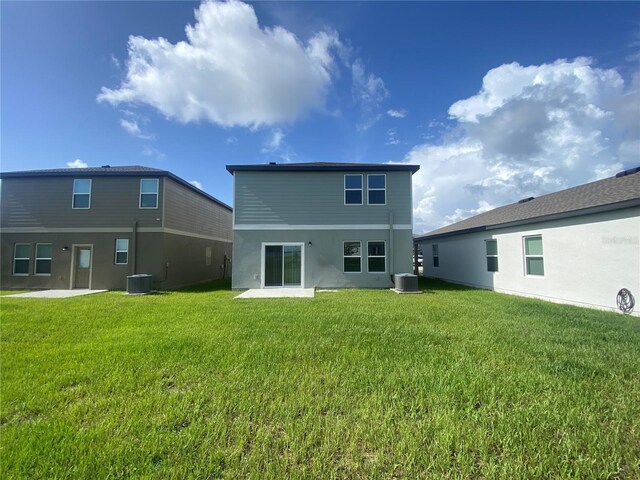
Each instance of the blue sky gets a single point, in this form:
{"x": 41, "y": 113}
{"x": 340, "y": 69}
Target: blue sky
{"x": 495, "y": 101}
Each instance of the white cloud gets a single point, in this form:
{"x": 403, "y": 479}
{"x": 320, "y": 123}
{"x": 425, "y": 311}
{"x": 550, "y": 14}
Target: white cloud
{"x": 397, "y": 113}
{"x": 230, "y": 71}
{"x": 232, "y": 140}
{"x": 369, "y": 92}
{"x": 77, "y": 163}
{"x": 529, "y": 131}
{"x": 196, "y": 184}
{"x": 275, "y": 146}
{"x": 274, "y": 141}
{"x": 115, "y": 62}
{"x": 132, "y": 127}
{"x": 391, "y": 137}
{"x": 149, "y": 151}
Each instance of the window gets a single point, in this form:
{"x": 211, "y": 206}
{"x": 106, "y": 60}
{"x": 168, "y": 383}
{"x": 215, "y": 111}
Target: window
{"x": 21, "y": 254}
{"x": 122, "y": 251}
{"x": 44, "y": 252}
{"x": 149, "y": 193}
{"x": 81, "y": 193}
{"x": 376, "y": 189}
{"x": 434, "y": 254}
{"x": 353, "y": 189}
{"x": 491, "y": 247}
{"x": 376, "y": 259}
{"x": 352, "y": 257}
{"x": 534, "y": 262}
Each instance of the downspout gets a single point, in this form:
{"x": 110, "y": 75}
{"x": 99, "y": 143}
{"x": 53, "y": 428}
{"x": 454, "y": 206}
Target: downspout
{"x": 134, "y": 248}
{"x": 391, "y": 266}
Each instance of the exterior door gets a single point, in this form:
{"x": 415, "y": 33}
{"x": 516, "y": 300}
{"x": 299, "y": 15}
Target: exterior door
{"x": 283, "y": 265}
{"x": 82, "y": 269}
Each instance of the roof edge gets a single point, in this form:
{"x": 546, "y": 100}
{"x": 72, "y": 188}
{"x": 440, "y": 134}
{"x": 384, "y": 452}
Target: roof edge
{"x": 292, "y": 167}
{"x": 543, "y": 218}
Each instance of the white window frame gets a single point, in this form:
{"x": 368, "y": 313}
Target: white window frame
{"x": 525, "y": 256}
{"x": 435, "y": 253}
{"x": 283, "y": 244}
{"x": 73, "y": 196}
{"x": 36, "y": 259}
{"x": 352, "y": 256}
{"x": 115, "y": 256}
{"x": 361, "y": 189}
{"x": 492, "y": 256}
{"x": 157, "y": 194}
{"x": 377, "y": 256}
{"x": 369, "y": 189}
{"x": 28, "y": 259}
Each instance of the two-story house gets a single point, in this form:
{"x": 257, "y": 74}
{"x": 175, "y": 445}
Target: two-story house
{"x": 321, "y": 224}
{"x": 93, "y": 227}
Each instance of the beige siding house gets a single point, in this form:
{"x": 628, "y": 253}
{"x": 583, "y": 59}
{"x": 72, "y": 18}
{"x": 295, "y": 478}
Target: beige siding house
{"x": 92, "y": 227}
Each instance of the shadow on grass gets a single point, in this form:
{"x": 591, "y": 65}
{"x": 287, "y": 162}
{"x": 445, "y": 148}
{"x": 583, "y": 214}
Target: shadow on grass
{"x": 214, "y": 286}
{"x": 433, "y": 285}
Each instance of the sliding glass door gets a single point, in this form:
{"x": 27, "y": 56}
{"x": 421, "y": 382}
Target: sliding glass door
{"x": 283, "y": 265}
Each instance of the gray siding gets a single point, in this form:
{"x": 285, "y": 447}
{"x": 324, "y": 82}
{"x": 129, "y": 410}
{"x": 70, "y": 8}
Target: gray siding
{"x": 315, "y": 198}
{"x": 323, "y": 260}
{"x": 46, "y": 202}
{"x": 187, "y": 211}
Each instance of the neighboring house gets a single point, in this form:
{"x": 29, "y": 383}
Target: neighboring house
{"x": 321, "y": 224}
{"x": 92, "y": 227}
{"x": 578, "y": 246}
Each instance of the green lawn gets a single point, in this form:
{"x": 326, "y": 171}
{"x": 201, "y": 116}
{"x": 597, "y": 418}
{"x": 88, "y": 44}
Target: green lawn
{"x": 455, "y": 383}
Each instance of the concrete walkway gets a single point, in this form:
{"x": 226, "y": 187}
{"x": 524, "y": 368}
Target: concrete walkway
{"x": 278, "y": 293}
{"x": 55, "y": 293}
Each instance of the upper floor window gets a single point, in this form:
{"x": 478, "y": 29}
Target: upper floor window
{"x": 21, "y": 256}
{"x": 376, "y": 258}
{"x": 122, "y": 251}
{"x": 81, "y": 193}
{"x": 491, "y": 247}
{"x": 149, "y": 193}
{"x": 376, "y": 189}
{"x": 352, "y": 257}
{"x": 436, "y": 256}
{"x": 44, "y": 252}
{"x": 353, "y": 189}
{"x": 533, "y": 259}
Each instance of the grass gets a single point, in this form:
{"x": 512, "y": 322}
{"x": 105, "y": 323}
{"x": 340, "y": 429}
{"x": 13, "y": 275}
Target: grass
{"x": 456, "y": 383}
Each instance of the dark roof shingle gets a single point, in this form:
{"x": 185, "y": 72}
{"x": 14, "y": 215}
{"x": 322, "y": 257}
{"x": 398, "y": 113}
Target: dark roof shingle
{"x": 607, "y": 194}
{"x": 323, "y": 167}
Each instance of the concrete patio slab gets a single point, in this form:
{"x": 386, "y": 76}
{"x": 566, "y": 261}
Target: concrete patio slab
{"x": 278, "y": 293}
{"x": 55, "y": 293}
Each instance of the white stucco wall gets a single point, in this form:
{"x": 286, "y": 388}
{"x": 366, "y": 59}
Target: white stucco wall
{"x": 587, "y": 259}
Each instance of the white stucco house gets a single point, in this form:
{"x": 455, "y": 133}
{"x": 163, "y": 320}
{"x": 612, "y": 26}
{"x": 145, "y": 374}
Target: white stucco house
{"x": 579, "y": 246}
